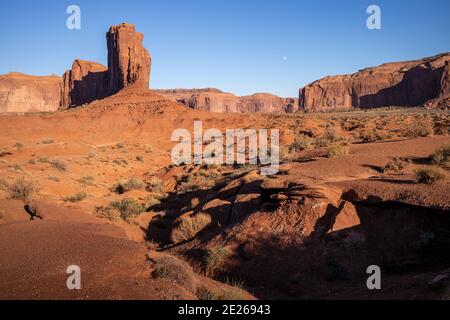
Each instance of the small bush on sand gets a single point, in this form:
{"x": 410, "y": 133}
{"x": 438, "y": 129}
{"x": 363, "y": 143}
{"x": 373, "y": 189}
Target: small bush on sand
{"x": 175, "y": 270}
{"x": 47, "y": 141}
{"x": 338, "y": 150}
{"x": 108, "y": 213}
{"x": 18, "y": 145}
{"x": 23, "y": 189}
{"x": 429, "y": 175}
{"x": 131, "y": 184}
{"x": 87, "y": 180}
{"x": 59, "y": 165}
{"x": 155, "y": 184}
{"x": 188, "y": 227}
{"x": 227, "y": 293}
{"x": 302, "y": 142}
{"x": 420, "y": 128}
{"x": 215, "y": 259}
{"x": 441, "y": 156}
{"x": 80, "y": 196}
{"x": 128, "y": 208}
{"x": 396, "y": 165}
{"x": 140, "y": 158}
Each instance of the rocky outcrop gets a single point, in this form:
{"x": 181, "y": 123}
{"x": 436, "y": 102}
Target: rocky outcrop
{"x": 214, "y": 100}
{"x": 128, "y": 65}
{"x": 84, "y": 83}
{"x": 410, "y": 83}
{"x": 129, "y": 62}
{"x": 24, "y": 93}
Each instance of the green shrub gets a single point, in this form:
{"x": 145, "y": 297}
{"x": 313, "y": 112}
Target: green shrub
{"x": 128, "y": 208}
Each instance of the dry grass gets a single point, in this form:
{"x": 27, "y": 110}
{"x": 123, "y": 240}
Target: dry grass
{"x": 396, "y": 165}
{"x": 338, "y": 150}
{"x": 188, "y": 227}
{"x": 128, "y": 208}
{"x": 154, "y": 184}
{"x": 175, "y": 270}
{"x": 215, "y": 259}
{"x": 108, "y": 213}
{"x": 441, "y": 156}
{"x": 23, "y": 189}
{"x": 59, "y": 165}
{"x": 429, "y": 175}
{"x": 128, "y": 185}
{"x": 420, "y": 128}
{"x": 80, "y": 196}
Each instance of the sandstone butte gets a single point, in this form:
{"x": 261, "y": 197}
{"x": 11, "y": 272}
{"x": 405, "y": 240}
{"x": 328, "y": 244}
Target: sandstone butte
{"x": 410, "y": 83}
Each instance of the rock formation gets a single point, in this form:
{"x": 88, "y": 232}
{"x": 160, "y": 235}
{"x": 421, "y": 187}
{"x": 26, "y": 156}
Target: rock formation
{"x": 84, "y": 83}
{"x": 25, "y": 93}
{"x": 128, "y": 65}
{"x": 129, "y": 62}
{"x": 410, "y": 83}
{"x": 214, "y": 100}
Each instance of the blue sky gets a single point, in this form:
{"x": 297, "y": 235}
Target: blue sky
{"x": 241, "y": 46}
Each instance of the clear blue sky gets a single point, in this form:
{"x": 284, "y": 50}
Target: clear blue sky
{"x": 241, "y": 46}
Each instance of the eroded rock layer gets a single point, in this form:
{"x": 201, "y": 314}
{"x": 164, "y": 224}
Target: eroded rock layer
{"x": 410, "y": 83}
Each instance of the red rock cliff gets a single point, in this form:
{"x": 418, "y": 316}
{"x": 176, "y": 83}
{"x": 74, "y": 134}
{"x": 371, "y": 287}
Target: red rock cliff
{"x": 410, "y": 83}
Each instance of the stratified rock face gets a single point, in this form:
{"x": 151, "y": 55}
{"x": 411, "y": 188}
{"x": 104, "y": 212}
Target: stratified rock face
{"x": 85, "y": 82}
{"x": 445, "y": 82}
{"x": 25, "y": 93}
{"x": 129, "y": 62}
{"x": 214, "y": 100}
{"x": 410, "y": 83}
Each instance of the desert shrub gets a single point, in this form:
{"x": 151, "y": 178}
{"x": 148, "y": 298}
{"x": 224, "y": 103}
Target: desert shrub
{"x": 128, "y": 185}
{"x": 321, "y": 142}
{"x": 3, "y": 185}
{"x": 441, "y": 156}
{"x": 86, "y": 180}
{"x": 52, "y": 178}
{"x": 32, "y": 161}
{"x": 47, "y": 141}
{"x": 338, "y": 150}
{"x": 395, "y": 165}
{"x": 43, "y": 160}
{"x": 155, "y": 184}
{"x": 330, "y": 135}
{"x": 199, "y": 181}
{"x": 300, "y": 143}
{"x": 80, "y": 196}
{"x": 128, "y": 208}
{"x": 188, "y": 227}
{"x": 429, "y": 175}
{"x": 58, "y": 165}
{"x": 140, "y": 158}
{"x": 23, "y": 189}
{"x": 420, "y": 128}
{"x": 117, "y": 161}
{"x": 120, "y": 145}
{"x": 175, "y": 270}
{"x": 18, "y": 145}
{"x": 108, "y": 213}
{"x": 215, "y": 259}
{"x": 17, "y": 167}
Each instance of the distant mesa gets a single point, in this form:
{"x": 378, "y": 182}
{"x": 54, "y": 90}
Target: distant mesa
{"x": 411, "y": 83}
{"x": 215, "y": 100}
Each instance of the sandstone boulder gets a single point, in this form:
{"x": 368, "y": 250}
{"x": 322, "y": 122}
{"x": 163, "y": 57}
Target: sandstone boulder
{"x": 410, "y": 83}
